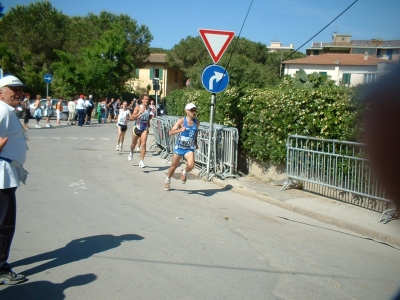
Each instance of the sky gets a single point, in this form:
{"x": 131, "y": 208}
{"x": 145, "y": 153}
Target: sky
{"x": 288, "y": 21}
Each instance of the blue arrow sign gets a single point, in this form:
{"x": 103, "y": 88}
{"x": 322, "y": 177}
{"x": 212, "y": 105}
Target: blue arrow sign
{"x": 48, "y": 78}
{"x": 215, "y": 78}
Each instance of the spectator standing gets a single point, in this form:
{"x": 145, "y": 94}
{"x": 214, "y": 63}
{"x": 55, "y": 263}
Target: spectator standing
{"x": 27, "y": 111}
{"x": 117, "y": 106}
{"x": 89, "y": 109}
{"x": 80, "y": 106}
{"x": 59, "y": 110}
{"x": 38, "y": 111}
{"x": 153, "y": 108}
{"x": 72, "y": 111}
{"x": 48, "y": 111}
{"x": 13, "y": 150}
{"x": 110, "y": 109}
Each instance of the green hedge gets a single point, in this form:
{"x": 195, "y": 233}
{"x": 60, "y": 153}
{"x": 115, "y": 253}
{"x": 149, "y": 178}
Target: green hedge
{"x": 266, "y": 117}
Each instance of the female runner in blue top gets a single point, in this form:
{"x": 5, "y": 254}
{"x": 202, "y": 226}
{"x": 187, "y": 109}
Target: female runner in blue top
{"x": 185, "y": 145}
{"x": 142, "y": 115}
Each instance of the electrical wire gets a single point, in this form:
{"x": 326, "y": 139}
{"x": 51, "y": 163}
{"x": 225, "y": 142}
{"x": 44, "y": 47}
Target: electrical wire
{"x": 318, "y": 32}
{"x": 237, "y": 39}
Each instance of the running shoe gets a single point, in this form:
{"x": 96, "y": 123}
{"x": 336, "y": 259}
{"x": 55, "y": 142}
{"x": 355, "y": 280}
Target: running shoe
{"x": 130, "y": 156}
{"x": 167, "y": 185}
{"x": 141, "y": 164}
{"x": 138, "y": 149}
{"x": 183, "y": 177}
{"x": 7, "y": 276}
{"x": 120, "y": 147}
{"x": 117, "y": 148}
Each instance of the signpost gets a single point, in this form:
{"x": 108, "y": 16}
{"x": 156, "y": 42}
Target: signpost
{"x": 215, "y": 78}
{"x": 48, "y": 78}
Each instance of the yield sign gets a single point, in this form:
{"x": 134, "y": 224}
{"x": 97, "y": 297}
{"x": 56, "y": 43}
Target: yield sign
{"x": 216, "y": 42}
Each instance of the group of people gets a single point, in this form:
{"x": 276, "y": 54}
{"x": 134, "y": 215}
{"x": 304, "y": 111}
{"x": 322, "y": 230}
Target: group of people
{"x": 80, "y": 110}
{"x": 39, "y": 113}
{"x": 142, "y": 113}
{"x": 13, "y": 149}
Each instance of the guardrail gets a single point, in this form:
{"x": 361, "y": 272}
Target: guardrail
{"x": 339, "y": 165}
{"x": 224, "y": 146}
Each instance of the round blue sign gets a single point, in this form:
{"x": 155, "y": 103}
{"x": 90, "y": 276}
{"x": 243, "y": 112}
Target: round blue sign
{"x": 215, "y": 78}
{"x": 48, "y": 78}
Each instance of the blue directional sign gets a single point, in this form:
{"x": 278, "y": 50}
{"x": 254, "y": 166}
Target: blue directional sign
{"x": 215, "y": 78}
{"x": 48, "y": 78}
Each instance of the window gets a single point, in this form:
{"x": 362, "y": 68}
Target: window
{"x": 389, "y": 53}
{"x": 316, "y": 52}
{"x": 137, "y": 73}
{"x": 323, "y": 73}
{"x": 156, "y": 73}
{"x": 370, "y": 78}
{"x": 370, "y": 51}
{"x": 346, "y": 78}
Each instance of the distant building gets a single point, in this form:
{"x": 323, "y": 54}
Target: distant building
{"x": 342, "y": 43}
{"x": 156, "y": 67}
{"x": 349, "y": 69}
{"x": 277, "y": 46}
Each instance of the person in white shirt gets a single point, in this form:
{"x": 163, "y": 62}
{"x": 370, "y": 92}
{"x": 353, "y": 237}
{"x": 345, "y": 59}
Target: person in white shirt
{"x": 123, "y": 116}
{"x": 13, "y": 150}
{"x": 72, "y": 111}
{"x": 80, "y": 106}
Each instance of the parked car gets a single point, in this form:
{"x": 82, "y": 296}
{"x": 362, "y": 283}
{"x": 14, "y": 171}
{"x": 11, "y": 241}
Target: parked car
{"x": 64, "y": 116}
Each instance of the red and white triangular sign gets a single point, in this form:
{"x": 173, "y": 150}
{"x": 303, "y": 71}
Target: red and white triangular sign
{"x": 216, "y": 41}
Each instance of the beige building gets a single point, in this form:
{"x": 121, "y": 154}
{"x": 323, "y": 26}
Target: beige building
{"x": 156, "y": 67}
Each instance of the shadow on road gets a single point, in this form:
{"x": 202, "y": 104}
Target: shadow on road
{"x": 75, "y": 250}
{"x": 44, "y": 290}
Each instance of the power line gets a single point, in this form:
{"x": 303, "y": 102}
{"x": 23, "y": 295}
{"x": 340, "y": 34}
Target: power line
{"x": 321, "y": 30}
{"x": 234, "y": 46}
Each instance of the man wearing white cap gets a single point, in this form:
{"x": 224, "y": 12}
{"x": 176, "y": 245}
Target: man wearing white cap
{"x": 185, "y": 145}
{"x": 13, "y": 150}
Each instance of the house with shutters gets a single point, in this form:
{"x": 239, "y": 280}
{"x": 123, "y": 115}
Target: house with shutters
{"x": 155, "y": 69}
{"x": 348, "y": 69}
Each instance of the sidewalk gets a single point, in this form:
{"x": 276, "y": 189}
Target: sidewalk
{"x": 346, "y": 216}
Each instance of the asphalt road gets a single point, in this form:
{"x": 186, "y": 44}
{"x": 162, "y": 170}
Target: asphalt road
{"x": 93, "y": 225}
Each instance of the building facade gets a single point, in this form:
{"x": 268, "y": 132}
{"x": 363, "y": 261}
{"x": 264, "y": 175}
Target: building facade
{"x": 343, "y": 44}
{"x": 156, "y": 68}
{"x": 348, "y": 69}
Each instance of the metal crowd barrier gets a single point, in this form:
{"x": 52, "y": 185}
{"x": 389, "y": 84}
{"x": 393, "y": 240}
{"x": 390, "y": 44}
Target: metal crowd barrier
{"x": 339, "y": 165}
{"x": 224, "y": 146}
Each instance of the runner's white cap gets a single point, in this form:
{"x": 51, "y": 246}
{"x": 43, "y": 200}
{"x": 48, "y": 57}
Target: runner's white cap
{"x": 190, "y": 106}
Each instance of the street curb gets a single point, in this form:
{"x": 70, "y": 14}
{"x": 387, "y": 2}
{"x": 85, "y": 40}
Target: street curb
{"x": 369, "y": 233}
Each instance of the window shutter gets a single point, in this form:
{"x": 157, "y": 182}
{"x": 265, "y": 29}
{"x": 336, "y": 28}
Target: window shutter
{"x": 137, "y": 72}
{"x": 151, "y": 73}
{"x": 346, "y": 78}
{"x": 161, "y": 71}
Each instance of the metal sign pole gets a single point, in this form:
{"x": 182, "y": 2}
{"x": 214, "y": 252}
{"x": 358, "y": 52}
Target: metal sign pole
{"x": 211, "y": 130}
{"x": 47, "y": 92}
{"x": 156, "y": 103}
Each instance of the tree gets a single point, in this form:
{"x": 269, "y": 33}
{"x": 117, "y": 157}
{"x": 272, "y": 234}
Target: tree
{"x": 32, "y": 33}
{"x": 92, "y": 70}
{"x": 85, "y": 31}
